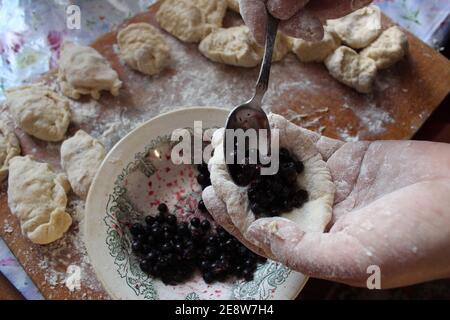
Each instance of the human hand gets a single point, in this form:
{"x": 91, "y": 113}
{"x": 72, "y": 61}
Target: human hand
{"x": 391, "y": 209}
{"x": 299, "y": 18}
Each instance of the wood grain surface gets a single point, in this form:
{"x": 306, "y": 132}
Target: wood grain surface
{"x": 403, "y": 98}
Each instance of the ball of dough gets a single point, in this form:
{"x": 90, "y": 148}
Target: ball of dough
{"x": 9, "y": 148}
{"x": 39, "y": 111}
{"x": 236, "y": 46}
{"x": 348, "y": 67}
{"x": 360, "y": 28}
{"x": 81, "y": 157}
{"x": 308, "y": 51}
{"x": 234, "y": 5}
{"x": 388, "y": 49}
{"x": 83, "y": 71}
{"x": 37, "y": 196}
{"x": 191, "y": 20}
{"x": 143, "y": 48}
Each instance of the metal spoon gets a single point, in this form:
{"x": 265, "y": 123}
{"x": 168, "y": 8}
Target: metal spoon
{"x": 250, "y": 115}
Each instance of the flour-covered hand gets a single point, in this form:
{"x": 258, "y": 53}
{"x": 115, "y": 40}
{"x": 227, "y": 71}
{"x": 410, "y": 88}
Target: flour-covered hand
{"x": 299, "y": 18}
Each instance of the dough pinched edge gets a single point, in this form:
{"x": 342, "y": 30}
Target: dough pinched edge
{"x": 41, "y": 210}
{"x": 12, "y": 149}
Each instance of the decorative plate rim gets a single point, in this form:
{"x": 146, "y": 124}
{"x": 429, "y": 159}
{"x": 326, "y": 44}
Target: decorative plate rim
{"x": 93, "y": 197}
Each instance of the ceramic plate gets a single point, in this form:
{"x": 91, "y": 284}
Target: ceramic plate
{"x": 136, "y": 175}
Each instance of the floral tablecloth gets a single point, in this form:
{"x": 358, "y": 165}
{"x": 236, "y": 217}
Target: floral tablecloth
{"x": 31, "y": 33}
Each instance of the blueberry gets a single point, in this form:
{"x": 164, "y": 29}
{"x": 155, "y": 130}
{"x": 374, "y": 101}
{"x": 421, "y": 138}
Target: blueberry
{"x": 171, "y": 219}
{"x": 195, "y": 222}
{"x": 156, "y": 232}
{"x": 152, "y": 255}
{"x": 156, "y": 270}
{"x": 202, "y": 207}
{"x": 183, "y": 228}
{"x": 300, "y": 197}
{"x": 230, "y": 245}
{"x": 162, "y": 207}
{"x": 208, "y": 277}
{"x": 160, "y": 217}
{"x": 203, "y": 168}
{"x": 256, "y": 208}
{"x": 136, "y": 246}
{"x": 188, "y": 253}
{"x": 247, "y": 274}
{"x": 299, "y": 166}
{"x": 167, "y": 235}
{"x": 203, "y": 179}
{"x": 137, "y": 229}
{"x": 145, "y": 248}
{"x": 204, "y": 265}
{"x": 167, "y": 247}
{"x": 144, "y": 265}
{"x": 149, "y": 220}
{"x": 284, "y": 154}
{"x": 210, "y": 252}
{"x": 205, "y": 225}
{"x": 212, "y": 240}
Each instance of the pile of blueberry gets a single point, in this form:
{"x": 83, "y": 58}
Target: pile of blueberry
{"x": 173, "y": 250}
{"x": 271, "y": 195}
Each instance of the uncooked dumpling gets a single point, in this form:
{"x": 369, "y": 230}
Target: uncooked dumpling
{"x": 350, "y": 68}
{"x": 39, "y": 111}
{"x": 317, "y": 51}
{"x": 37, "y": 196}
{"x": 191, "y": 20}
{"x": 360, "y": 28}
{"x": 388, "y": 49}
{"x": 236, "y": 46}
{"x": 9, "y": 148}
{"x": 316, "y": 179}
{"x": 143, "y": 48}
{"x": 81, "y": 157}
{"x": 84, "y": 71}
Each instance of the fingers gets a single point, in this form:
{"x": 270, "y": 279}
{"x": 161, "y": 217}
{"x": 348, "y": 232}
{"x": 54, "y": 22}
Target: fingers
{"x": 218, "y": 211}
{"x": 303, "y": 25}
{"x": 254, "y": 14}
{"x": 332, "y": 9}
{"x": 336, "y": 256}
{"x": 285, "y": 9}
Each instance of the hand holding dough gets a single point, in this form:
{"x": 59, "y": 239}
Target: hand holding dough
{"x": 37, "y": 196}
{"x": 84, "y": 71}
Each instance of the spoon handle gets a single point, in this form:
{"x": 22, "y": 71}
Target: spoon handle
{"x": 263, "y": 80}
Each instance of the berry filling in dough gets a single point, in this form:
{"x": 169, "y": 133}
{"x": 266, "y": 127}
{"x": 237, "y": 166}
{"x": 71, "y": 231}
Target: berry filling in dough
{"x": 301, "y": 191}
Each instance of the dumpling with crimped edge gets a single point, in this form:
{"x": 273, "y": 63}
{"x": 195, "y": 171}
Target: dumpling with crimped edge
{"x": 9, "y": 148}
{"x": 236, "y": 46}
{"x": 316, "y": 179}
{"x": 143, "y": 48}
{"x": 39, "y": 111}
{"x": 84, "y": 71}
{"x": 38, "y": 197}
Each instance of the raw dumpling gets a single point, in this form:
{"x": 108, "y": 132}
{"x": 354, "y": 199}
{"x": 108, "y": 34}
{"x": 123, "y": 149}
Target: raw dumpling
{"x": 236, "y": 46}
{"x": 84, "y": 71}
{"x": 191, "y": 20}
{"x": 143, "y": 48}
{"x": 388, "y": 49}
{"x": 309, "y": 51}
{"x": 37, "y": 196}
{"x": 81, "y": 156}
{"x": 9, "y": 148}
{"x": 360, "y": 28}
{"x": 39, "y": 111}
{"x": 348, "y": 67}
{"x": 314, "y": 215}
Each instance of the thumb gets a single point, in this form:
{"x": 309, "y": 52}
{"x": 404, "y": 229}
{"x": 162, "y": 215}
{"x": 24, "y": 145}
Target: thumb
{"x": 332, "y": 256}
{"x": 284, "y": 9}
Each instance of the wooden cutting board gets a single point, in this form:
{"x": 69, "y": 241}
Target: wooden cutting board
{"x": 404, "y": 97}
